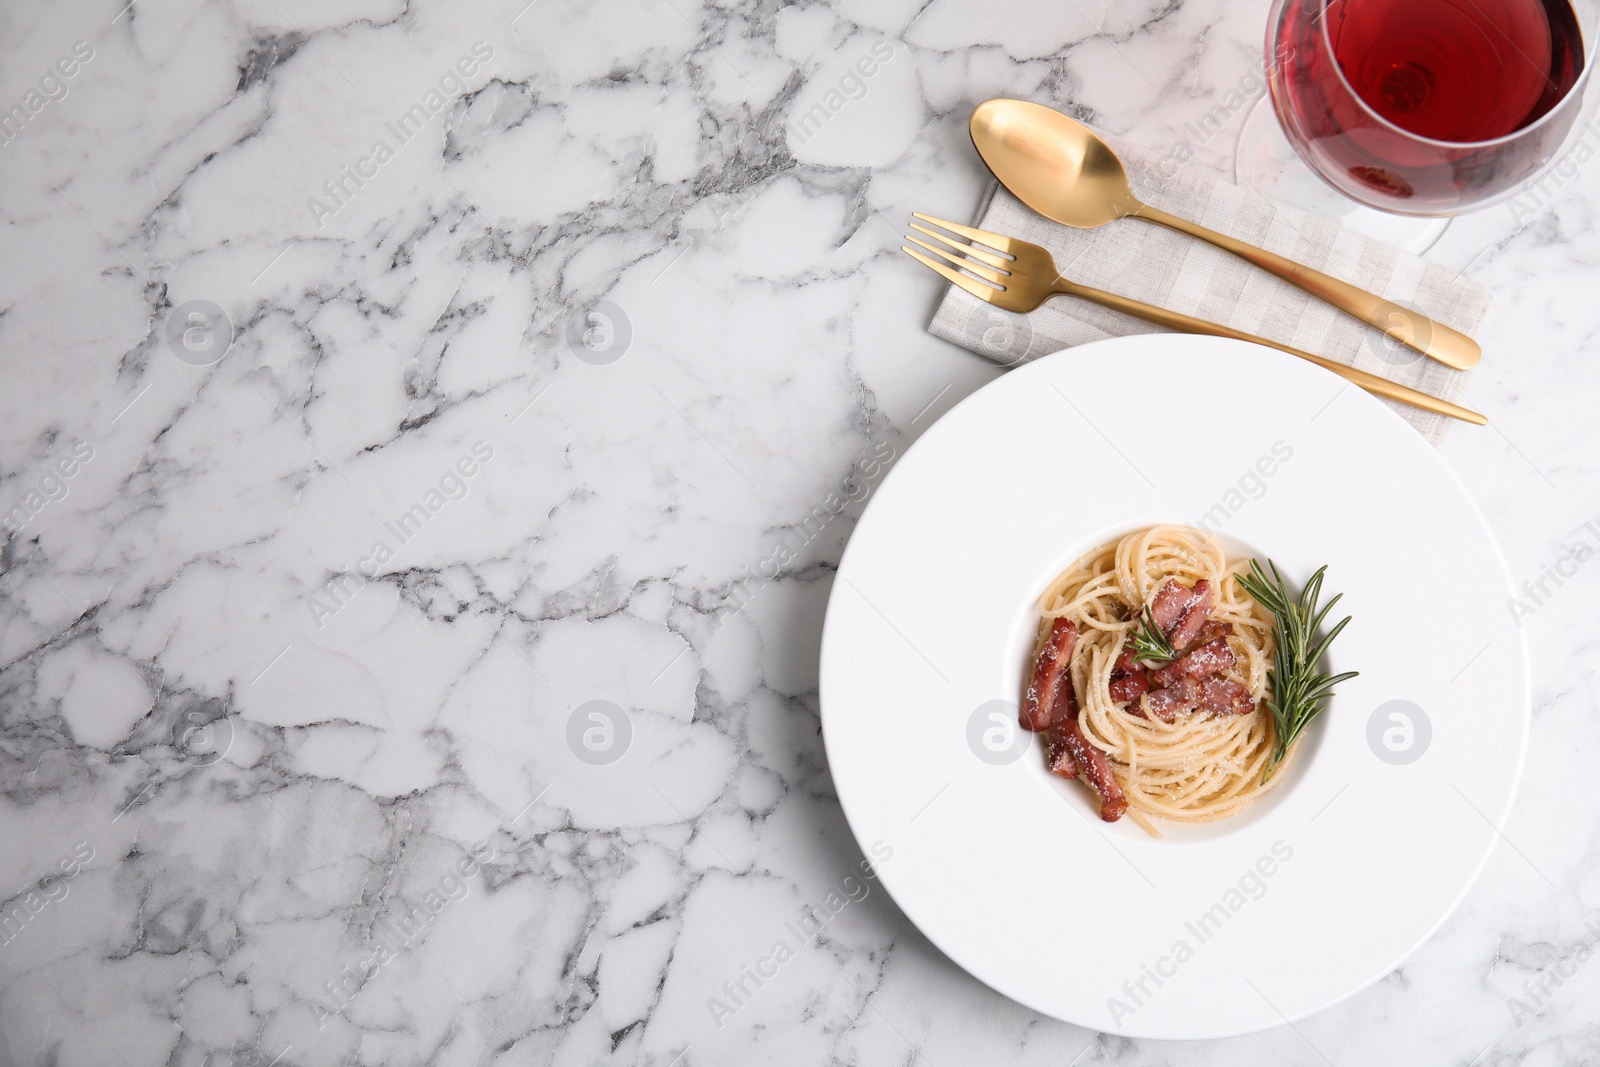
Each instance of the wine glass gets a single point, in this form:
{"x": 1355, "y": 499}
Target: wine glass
{"x": 1419, "y": 108}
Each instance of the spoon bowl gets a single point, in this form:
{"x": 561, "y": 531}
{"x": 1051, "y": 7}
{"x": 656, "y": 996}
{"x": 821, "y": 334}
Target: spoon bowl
{"x": 1052, "y": 162}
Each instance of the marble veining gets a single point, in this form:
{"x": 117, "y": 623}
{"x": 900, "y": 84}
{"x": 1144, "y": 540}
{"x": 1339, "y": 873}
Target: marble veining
{"x": 429, "y": 433}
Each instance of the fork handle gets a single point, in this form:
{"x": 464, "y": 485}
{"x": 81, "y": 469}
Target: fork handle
{"x": 1175, "y": 320}
{"x": 1434, "y": 339}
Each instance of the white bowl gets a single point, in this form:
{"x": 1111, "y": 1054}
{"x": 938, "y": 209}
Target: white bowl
{"x": 1390, "y": 809}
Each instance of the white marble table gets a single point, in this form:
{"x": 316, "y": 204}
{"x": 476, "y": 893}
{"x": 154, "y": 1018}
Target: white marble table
{"x": 298, "y": 645}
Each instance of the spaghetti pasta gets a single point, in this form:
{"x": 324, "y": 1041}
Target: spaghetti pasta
{"x": 1200, "y": 766}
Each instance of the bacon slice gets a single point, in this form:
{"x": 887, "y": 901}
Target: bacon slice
{"x": 1172, "y": 600}
{"x": 1038, "y": 704}
{"x": 1167, "y": 704}
{"x": 1129, "y": 686}
{"x": 1095, "y": 767}
{"x": 1059, "y": 756}
{"x": 1125, "y": 663}
{"x": 1060, "y": 759}
{"x": 1188, "y": 628}
{"x": 1210, "y": 658}
{"x": 1213, "y": 630}
{"x": 1221, "y": 696}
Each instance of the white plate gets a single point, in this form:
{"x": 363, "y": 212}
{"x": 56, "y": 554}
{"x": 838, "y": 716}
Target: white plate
{"x": 1317, "y": 891}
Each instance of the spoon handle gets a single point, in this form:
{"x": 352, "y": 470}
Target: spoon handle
{"x": 1175, "y": 320}
{"x": 1434, "y": 339}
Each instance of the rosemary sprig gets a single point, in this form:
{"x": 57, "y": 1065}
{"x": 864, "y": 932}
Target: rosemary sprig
{"x": 1150, "y": 645}
{"x": 1297, "y": 689}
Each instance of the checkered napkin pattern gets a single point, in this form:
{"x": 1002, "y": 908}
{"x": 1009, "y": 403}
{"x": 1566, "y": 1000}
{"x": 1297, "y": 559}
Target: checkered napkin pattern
{"x": 1159, "y": 266}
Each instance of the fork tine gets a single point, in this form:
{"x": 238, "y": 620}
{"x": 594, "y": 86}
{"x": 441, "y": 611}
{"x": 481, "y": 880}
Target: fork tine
{"x": 999, "y": 262}
{"x": 992, "y": 276}
{"x": 976, "y": 288}
{"x": 998, "y": 242}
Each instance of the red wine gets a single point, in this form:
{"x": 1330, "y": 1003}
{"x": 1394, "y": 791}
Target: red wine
{"x": 1458, "y": 70}
{"x": 1393, "y": 104}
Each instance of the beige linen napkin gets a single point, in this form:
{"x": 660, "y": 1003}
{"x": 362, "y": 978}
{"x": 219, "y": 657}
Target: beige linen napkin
{"x": 1158, "y": 266}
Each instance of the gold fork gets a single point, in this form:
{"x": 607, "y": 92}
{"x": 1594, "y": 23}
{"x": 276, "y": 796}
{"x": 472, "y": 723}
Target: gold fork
{"x": 1026, "y": 276}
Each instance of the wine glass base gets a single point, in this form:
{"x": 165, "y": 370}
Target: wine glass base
{"x": 1267, "y": 163}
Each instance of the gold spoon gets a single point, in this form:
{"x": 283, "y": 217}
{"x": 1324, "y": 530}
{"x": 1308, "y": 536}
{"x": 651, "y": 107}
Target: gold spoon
{"x": 1061, "y": 169}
